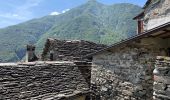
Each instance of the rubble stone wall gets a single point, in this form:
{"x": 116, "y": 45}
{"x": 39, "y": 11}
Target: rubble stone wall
{"x": 124, "y": 73}
{"x": 44, "y": 81}
{"x": 162, "y": 79}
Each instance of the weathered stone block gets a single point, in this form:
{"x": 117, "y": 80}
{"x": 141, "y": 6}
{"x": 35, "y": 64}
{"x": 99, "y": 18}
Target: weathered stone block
{"x": 159, "y": 86}
{"x": 148, "y": 78}
{"x": 163, "y": 79}
{"x": 126, "y": 92}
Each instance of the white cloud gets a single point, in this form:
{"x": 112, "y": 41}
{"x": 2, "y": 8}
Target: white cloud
{"x": 58, "y": 13}
{"x": 19, "y": 13}
{"x": 65, "y": 10}
{"x": 54, "y": 13}
{"x": 15, "y": 15}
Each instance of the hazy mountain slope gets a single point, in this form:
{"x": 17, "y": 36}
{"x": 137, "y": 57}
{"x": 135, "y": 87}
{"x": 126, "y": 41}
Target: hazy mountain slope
{"x": 92, "y": 21}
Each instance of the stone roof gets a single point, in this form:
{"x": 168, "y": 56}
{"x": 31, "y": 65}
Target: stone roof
{"x": 41, "y": 80}
{"x": 56, "y": 96}
{"x": 69, "y": 50}
{"x": 147, "y": 3}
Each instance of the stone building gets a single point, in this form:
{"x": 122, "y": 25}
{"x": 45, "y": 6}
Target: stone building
{"x": 124, "y": 71}
{"x": 61, "y": 76}
{"x": 137, "y": 68}
{"x": 155, "y": 13}
{"x": 68, "y": 50}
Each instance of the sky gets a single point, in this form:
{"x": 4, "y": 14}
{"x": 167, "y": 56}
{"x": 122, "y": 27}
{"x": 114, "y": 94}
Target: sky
{"x": 17, "y": 11}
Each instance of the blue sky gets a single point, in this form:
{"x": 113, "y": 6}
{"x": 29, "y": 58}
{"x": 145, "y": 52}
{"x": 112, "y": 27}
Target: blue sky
{"x": 16, "y": 11}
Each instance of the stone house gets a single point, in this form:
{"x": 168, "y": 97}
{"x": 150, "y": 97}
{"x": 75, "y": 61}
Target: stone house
{"x": 124, "y": 71}
{"x": 137, "y": 68}
{"x": 68, "y": 50}
{"x": 62, "y": 75}
{"x": 155, "y": 13}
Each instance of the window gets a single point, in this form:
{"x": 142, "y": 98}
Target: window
{"x": 140, "y": 26}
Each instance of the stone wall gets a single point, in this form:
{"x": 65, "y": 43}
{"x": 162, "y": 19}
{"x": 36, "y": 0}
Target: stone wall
{"x": 162, "y": 79}
{"x": 157, "y": 13}
{"x": 124, "y": 73}
{"x": 44, "y": 80}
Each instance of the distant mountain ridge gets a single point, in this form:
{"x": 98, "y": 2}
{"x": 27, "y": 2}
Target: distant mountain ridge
{"x": 91, "y": 21}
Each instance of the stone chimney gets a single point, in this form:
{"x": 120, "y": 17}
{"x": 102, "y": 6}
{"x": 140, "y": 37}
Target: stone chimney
{"x": 30, "y": 54}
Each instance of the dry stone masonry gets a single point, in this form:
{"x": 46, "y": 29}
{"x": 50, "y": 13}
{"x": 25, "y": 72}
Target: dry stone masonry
{"x": 125, "y": 74}
{"x": 162, "y": 78}
{"x": 44, "y": 80}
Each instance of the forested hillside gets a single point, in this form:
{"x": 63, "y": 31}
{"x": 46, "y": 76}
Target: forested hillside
{"x": 92, "y": 21}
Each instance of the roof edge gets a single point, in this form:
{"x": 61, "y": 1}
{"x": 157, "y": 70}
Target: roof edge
{"x": 139, "y": 15}
{"x": 146, "y": 4}
{"x": 130, "y": 39}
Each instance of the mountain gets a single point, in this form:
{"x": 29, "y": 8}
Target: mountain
{"x": 13, "y": 39}
{"x": 92, "y": 21}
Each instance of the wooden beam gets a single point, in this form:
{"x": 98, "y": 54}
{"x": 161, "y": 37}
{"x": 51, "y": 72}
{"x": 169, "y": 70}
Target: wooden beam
{"x": 167, "y": 35}
{"x": 165, "y": 31}
{"x": 159, "y": 34}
